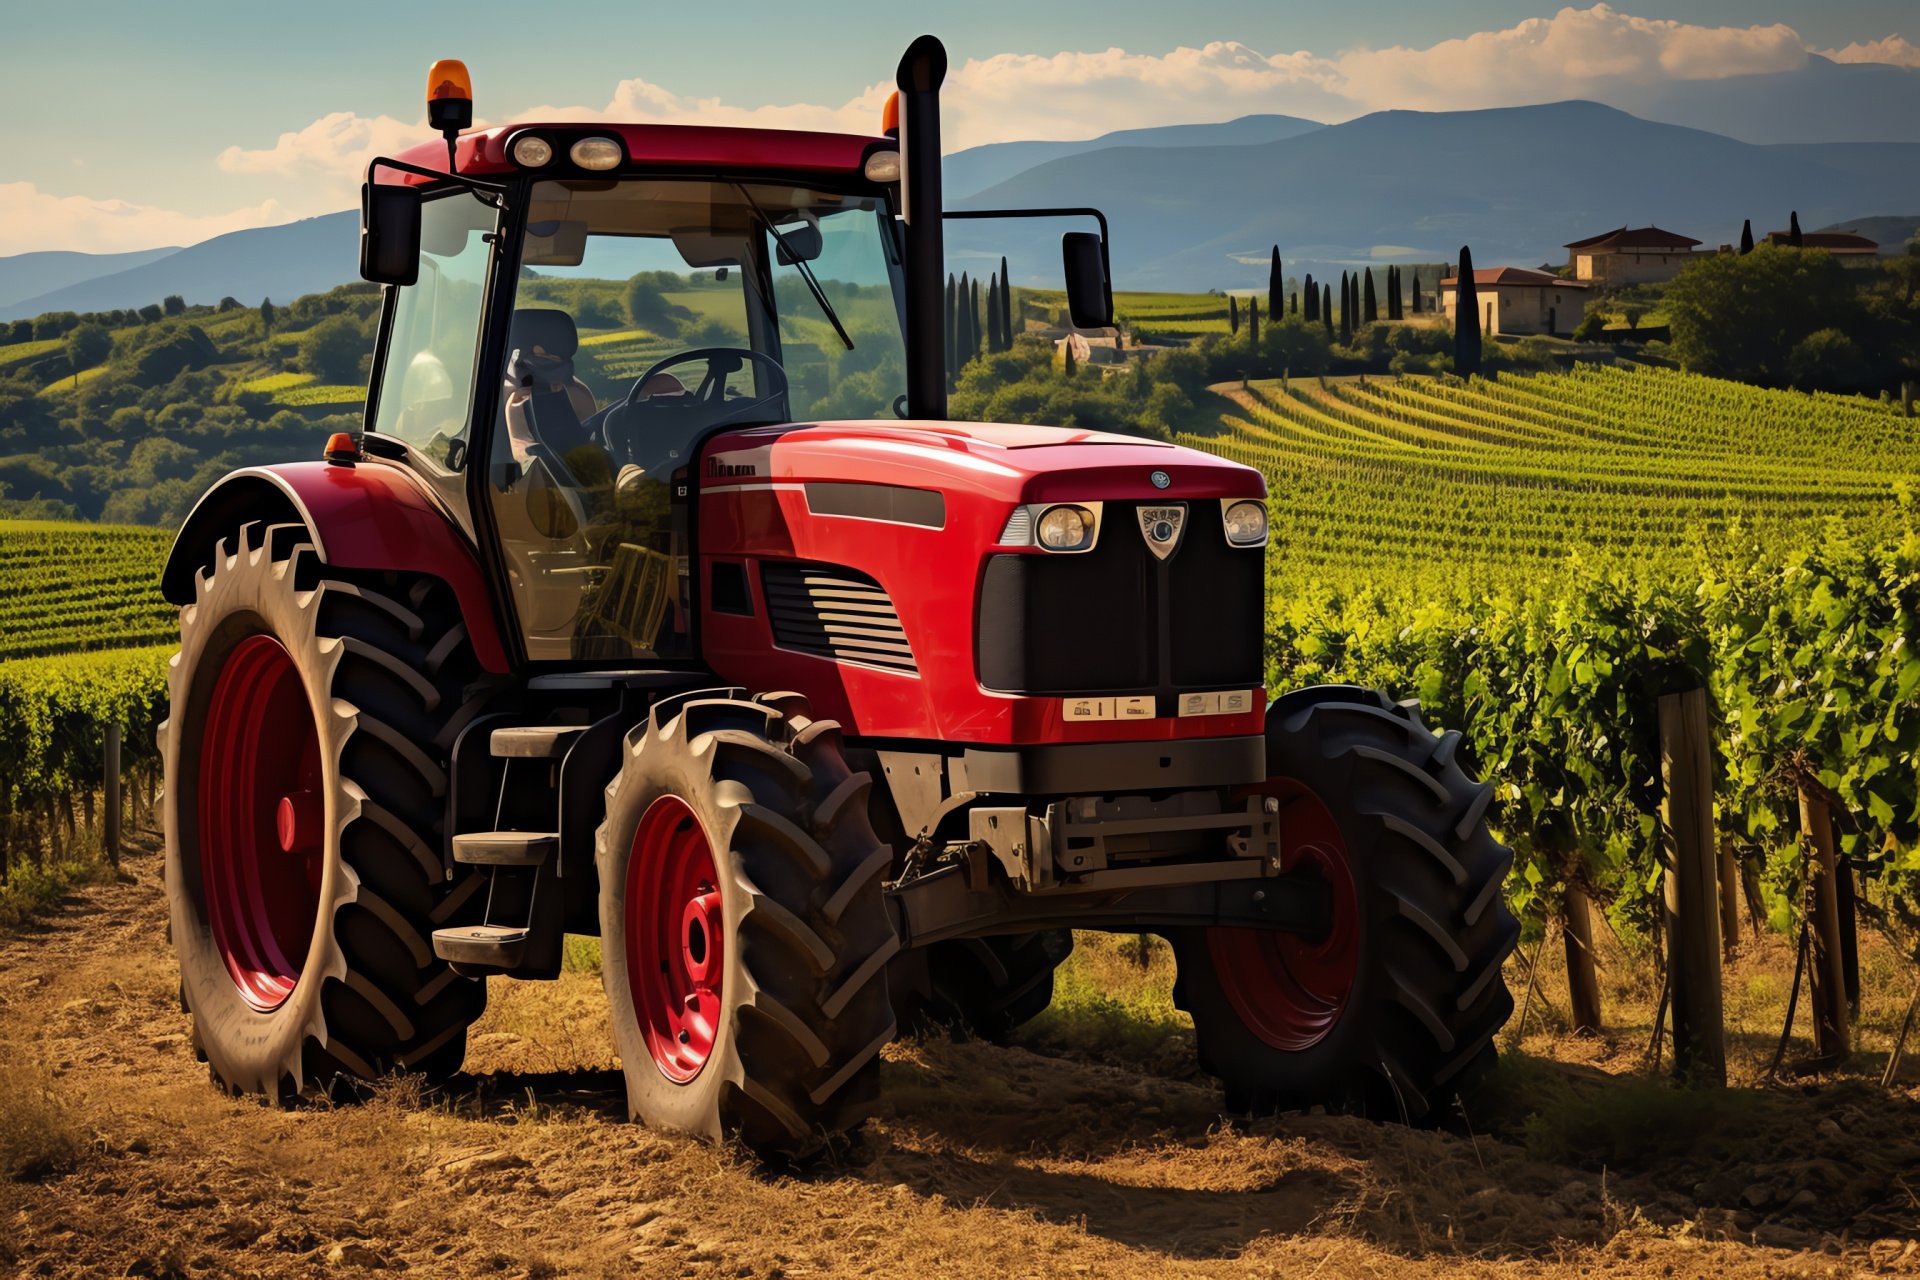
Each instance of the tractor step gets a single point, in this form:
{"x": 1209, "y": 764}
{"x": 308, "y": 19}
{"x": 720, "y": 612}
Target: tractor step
{"x": 505, "y": 848}
{"x": 535, "y": 741}
{"x": 498, "y": 945}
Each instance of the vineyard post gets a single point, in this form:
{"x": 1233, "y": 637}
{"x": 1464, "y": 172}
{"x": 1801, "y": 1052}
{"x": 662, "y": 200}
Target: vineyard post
{"x": 1729, "y": 897}
{"x": 112, "y": 788}
{"x": 1583, "y": 981}
{"x": 1829, "y": 980}
{"x": 1692, "y": 898}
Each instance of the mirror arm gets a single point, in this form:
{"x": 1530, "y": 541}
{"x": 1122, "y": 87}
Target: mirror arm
{"x": 1106, "y": 265}
{"x": 490, "y": 193}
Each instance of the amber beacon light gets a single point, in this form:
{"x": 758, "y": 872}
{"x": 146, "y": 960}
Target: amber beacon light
{"x": 450, "y": 101}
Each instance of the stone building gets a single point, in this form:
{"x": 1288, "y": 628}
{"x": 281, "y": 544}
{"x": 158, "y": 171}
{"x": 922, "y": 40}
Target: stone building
{"x": 1644, "y": 255}
{"x": 1516, "y": 300}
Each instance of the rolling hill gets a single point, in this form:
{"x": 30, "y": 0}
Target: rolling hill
{"x": 969, "y": 172}
{"x": 28, "y": 275}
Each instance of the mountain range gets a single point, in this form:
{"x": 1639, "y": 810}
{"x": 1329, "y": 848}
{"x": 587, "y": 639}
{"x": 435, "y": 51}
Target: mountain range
{"x": 1200, "y": 206}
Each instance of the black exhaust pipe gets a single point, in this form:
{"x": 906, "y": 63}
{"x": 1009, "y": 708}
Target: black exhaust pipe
{"x": 921, "y": 72}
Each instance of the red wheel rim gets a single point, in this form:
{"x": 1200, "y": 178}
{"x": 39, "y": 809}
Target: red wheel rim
{"x": 676, "y": 938}
{"x": 1290, "y": 990}
{"x": 261, "y": 820}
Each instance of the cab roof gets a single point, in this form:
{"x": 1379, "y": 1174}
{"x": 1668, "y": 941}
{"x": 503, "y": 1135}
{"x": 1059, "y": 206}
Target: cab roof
{"x": 484, "y": 151}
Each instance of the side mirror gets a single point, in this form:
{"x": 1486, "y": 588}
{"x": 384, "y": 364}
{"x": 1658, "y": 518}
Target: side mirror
{"x": 389, "y": 233}
{"x": 1089, "y": 304}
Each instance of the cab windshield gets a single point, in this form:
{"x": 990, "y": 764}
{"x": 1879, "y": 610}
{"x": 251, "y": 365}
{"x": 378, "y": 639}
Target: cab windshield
{"x": 648, "y": 314}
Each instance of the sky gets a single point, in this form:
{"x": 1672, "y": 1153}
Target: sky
{"x": 136, "y": 124}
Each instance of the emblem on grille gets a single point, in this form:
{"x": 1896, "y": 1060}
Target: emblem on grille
{"x": 1160, "y": 479}
{"x": 1161, "y": 527}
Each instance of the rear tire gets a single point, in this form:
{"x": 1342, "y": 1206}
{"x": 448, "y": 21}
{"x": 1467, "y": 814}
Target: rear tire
{"x": 987, "y": 987}
{"x": 340, "y": 692}
{"x": 745, "y": 940}
{"x": 1394, "y": 1010}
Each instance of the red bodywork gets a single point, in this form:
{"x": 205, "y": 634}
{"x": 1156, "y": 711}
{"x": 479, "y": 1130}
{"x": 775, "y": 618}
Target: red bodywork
{"x": 672, "y": 145}
{"x": 932, "y": 575}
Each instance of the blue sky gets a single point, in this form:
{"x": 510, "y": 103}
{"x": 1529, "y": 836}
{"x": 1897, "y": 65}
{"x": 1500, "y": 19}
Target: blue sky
{"x": 138, "y": 124}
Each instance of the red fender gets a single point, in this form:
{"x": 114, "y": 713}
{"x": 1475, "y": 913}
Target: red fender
{"x": 367, "y": 516}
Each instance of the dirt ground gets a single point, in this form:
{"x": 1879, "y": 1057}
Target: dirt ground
{"x": 1092, "y": 1150}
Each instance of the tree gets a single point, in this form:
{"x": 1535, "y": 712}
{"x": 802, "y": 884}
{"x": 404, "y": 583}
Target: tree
{"x": 1746, "y": 236}
{"x": 953, "y": 333}
{"x": 1371, "y": 312}
{"x": 151, "y": 313}
{"x": 1313, "y": 298}
{"x": 1466, "y": 318}
{"x": 1590, "y": 327}
{"x": 1233, "y": 314}
{"x": 649, "y": 308}
{"x": 1793, "y": 229}
{"x": 1743, "y": 317}
{"x": 1006, "y": 305}
{"x": 87, "y": 346}
{"x": 993, "y": 314}
{"x": 173, "y": 304}
{"x": 229, "y": 304}
{"x": 332, "y": 349}
{"x": 973, "y": 322}
{"x": 1346, "y": 310}
{"x": 1276, "y": 285}
{"x": 1253, "y": 321}
{"x": 1326, "y": 307}
{"x": 266, "y": 315}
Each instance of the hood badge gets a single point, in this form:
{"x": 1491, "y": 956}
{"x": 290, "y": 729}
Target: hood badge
{"x": 1160, "y": 479}
{"x": 1161, "y": 527}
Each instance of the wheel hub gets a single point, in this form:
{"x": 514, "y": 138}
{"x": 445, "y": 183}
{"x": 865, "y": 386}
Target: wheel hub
{"x": 261, "y": 820}
{"x": 676, "y": 938}
{"x": 1290, "y": 989}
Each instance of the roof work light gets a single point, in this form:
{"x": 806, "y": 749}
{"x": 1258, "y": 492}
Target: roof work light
{"x": 450, "y": 101}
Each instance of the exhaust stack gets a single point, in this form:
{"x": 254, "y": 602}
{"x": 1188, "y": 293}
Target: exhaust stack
{"x": 921, "y": 72}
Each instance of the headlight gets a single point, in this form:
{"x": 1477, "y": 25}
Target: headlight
{"x": 883, "y": 166}
{"x": 1247, "y": 524}
{"x": 1066, "y": 528}
{"x": 596, "y": 153}
{"x": 531, "y": 152}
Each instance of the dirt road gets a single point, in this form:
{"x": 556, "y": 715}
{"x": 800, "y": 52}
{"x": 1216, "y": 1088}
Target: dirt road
{"x": 985, "y": 1162}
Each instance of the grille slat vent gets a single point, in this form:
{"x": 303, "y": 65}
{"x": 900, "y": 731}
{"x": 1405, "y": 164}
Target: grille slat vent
{"x": 834, "y": 612}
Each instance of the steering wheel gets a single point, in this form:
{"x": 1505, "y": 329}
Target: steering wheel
{"x": 648, "y": 432}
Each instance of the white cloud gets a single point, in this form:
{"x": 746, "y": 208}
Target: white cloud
{"x": 31, "y": 219}
{"x": 326, "y": 160}
{"x": 1894, "y": 49}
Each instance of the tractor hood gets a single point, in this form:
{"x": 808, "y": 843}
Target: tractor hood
{"x": 993, "y": 463}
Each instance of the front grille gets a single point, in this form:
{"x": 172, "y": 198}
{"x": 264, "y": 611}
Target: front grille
{"x": 834, "y": 612}
{"x": 1092, "y": 623}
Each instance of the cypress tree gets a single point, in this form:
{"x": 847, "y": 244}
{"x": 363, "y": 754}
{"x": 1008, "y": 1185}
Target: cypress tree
{"x": 1326, "y": 306}
{"x": 993, "y": 314}
{"x": 1276, "y": 285}
{"x": 1253, "y": 321}
{"x": 953, "y": 326}
{"x": 1293, "y": 303}
{"x": 963, "y": 335}
{"x": 1415, "y": 292}
{"x": 1233, "y": 315}
{"x": 266, "y": 315}
{"x": 1466, "y": 318}
{"x": 974, "y": 334}
{"x": 1313, "y": 299}
{"x": 1372, "y": 305}
{"x": 1006, "y": 306}
{"x": 1393, "y": 293}
{"x": 1746, "y": 236}
{"x": 1072, "y": 367}
{"x": 1346, "y": 309}
{"x": 1793, "y": 228}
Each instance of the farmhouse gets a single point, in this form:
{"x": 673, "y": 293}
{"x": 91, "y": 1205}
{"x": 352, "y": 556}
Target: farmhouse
{"x": 1645, "y": 255}
{"x": 1515, "y": 300}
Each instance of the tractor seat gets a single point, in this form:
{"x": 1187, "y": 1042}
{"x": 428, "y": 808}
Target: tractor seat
{"x": 546, "y": 404}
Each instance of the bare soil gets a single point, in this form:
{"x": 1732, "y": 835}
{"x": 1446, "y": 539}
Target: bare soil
{"x": 1088, "y": 1152}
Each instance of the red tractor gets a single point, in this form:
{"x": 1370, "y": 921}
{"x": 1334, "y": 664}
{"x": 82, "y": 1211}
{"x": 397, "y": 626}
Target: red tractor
{"x": 711, "y": 637}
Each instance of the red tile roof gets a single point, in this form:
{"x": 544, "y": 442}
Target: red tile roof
{"x": 1622, "y": 239}
{"x": 1516, "y": 276}
{"x": 1837, "y": 241}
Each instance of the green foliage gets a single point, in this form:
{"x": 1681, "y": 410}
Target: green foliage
{"x": 336, "y": 349}
{"x": 77, "y": 586}
{"x": 1781, "y": 315}
{"x": 88, "y": 345}
{"x": 648, "y": 306}
{"x": 53, "y": 713}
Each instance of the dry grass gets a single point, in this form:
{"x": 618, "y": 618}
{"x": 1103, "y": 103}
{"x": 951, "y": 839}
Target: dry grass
{"x": 1080, "y": 1152}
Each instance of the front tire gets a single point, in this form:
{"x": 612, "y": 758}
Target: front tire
{"x": 1393, "y": 1008}
{"x": 304, "y": 760}
{"x": 745, "y": 940}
